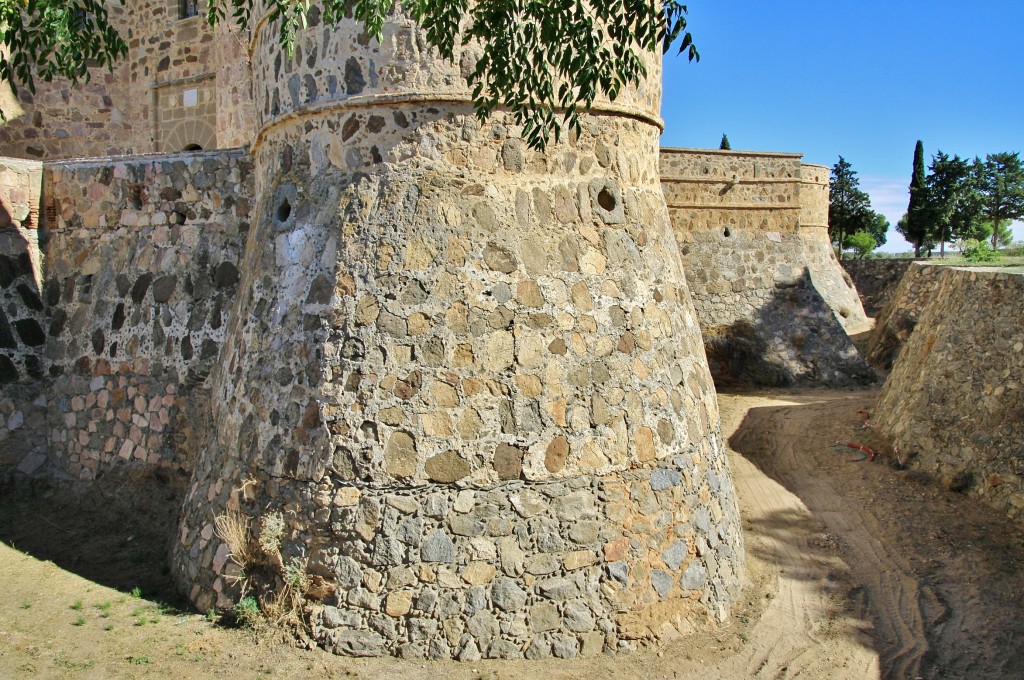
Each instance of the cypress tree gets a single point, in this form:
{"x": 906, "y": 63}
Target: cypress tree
{"x": 916, "y": 229}
{"x": 724, "y": 146}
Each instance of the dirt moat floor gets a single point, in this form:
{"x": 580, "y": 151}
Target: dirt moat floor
{"x": 855, "y": 570}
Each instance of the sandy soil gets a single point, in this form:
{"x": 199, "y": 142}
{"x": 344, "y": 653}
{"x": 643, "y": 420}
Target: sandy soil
{"x": 855, "y": 570}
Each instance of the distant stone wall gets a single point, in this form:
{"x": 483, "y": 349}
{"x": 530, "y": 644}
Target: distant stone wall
{"x": 756, "y": 273}
{"x": 830, "y": 280}
{"x": 955, "y": 397}
{"x": 876, "y": 280}
{"x": 901, "y": 313}
{"x": 141, "y": 265}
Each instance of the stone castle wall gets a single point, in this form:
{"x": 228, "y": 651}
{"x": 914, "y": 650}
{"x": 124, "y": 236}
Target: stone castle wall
{"x": 831, "y": 281}
{"x": 22, "y": 404}
{"x": 440, "y": 338}
{"x": 181, "y": 84}
{"x": 771, "y": 303}
{"x": 21, "y": 309}
{"x": 141, "y": 259}
{"x": 899, "y": 317}
{"x": 954, "y": 398}
{"x": 876, "y": 280}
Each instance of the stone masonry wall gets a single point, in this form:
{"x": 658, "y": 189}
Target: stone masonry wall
{"x": 955, "y": 396}
{"x": 901, "y": 313}
{"x": 877, "y": 280}
{"x": 21, "y": 309}
{"x": 441, "y": 337}
{"x": 122, "y": 112}
{"x": 22, "y": 404}
{"x": 750, "y": 265}
{"x": 831, "y": 281}
{"x": 140, "y": 273}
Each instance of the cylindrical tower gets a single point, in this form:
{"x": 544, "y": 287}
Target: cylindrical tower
{"x": 829, "y": 277}
{"x": 463, "y": 399}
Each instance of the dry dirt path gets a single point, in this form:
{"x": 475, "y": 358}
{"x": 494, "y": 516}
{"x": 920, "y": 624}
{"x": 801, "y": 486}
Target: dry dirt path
{"x": 941, "y": 574}
{"x": 831, "y": 592}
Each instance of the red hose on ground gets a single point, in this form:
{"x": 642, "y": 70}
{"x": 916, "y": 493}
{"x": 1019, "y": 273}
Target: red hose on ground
{"x": 866, "y": 449}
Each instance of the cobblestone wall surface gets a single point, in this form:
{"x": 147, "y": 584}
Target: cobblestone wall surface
{"x": 21, "y": 309}
{"x": 954, "y": 397}
{"x": 440, "y": 338}
{"x": 899, "y": 317}
{"x": 141, "y": 258}
{"x": 757, "y": 273}
{"x": 876, "y": 280}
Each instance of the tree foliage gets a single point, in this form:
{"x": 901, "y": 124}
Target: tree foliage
{"x": 1001, "y": 187}
{"x": 861, "y": 243}
{"x": 953, "y": 207}
{"x": 724, "y": 144}
{"x": 47, "y": 39}
{"x": 546, "y": 61}
{"x": 849, "y": 208}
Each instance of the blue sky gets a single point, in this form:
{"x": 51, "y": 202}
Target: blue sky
{"x": 863, "y": 79}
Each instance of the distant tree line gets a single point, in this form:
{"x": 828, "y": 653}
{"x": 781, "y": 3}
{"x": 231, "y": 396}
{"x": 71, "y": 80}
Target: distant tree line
{"x": 852, "y": 224}
{"x": 970, "y": 202}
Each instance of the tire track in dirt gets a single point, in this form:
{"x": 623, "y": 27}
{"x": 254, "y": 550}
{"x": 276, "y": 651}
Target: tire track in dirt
{"x": 791, "y": 640}
{"x": 774, "y": 438}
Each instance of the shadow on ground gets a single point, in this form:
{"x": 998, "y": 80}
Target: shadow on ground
{"x": 98, "y": 533}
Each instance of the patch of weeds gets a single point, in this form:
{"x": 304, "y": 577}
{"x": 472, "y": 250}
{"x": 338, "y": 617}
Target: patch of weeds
{"x": 212, "y": 616}
{"x": 74, "y": 665}
{"x": 80, "y": 621}
{"x": 136, "y": 592}
{"x": 77, "y": 605}
{"x": 247, "y": 612}
{"x": 108, "y": 627}
{"x": 138, "y": 660}
{"x": 104, "y": 608}
{"x": 26, "y": 605}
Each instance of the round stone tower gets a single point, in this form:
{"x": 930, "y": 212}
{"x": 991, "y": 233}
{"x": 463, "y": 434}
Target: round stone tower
{"x": 463, "y": 405}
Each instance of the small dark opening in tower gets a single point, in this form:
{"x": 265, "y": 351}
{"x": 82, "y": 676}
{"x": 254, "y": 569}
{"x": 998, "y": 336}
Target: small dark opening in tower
{"x": 606, "y": 200}
{"x": 188, "y": 9}
{"x": 727, "y": 233}
{"x": 284, "y": 211}
{"x": 193, "y": 147}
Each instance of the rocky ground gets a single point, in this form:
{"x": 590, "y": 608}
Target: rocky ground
{"x": 855, "y": 570}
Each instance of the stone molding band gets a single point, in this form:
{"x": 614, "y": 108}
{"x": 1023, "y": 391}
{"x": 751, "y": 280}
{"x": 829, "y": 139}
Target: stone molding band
{"x": 722, "y": 180}
{"x": 732, "y": 206}
{"x": 369, "y": 101}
